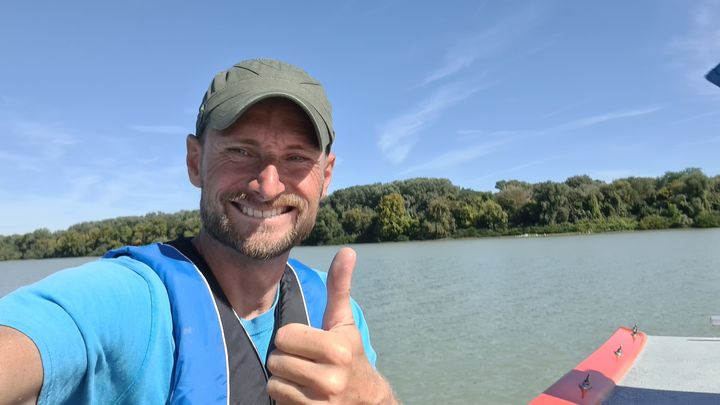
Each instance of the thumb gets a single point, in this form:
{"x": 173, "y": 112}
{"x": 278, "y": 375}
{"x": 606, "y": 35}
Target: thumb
{"x": 338, "y": 311}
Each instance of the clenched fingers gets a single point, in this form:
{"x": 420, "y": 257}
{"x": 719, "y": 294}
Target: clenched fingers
{"x": 321, "y": 379}
{"x": 286, "y": 392}
{"x": 314, "y": 344}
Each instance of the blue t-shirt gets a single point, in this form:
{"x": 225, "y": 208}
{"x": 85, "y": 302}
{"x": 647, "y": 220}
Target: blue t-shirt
{"x": 104, "y": 332}
{"x": 260, "y": 329}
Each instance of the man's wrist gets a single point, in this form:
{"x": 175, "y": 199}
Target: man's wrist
{"x": 385, "y": 394}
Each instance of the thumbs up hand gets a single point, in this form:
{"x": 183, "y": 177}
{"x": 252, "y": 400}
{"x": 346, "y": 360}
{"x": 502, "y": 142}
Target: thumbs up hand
{"x": 327, "y": 366}
{"x": 338, "y": 312}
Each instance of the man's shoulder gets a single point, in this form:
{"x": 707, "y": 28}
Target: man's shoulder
{"x": 103, "y": 276}
{"x": 121, "y": 260}
{"x": 151, "y": 258}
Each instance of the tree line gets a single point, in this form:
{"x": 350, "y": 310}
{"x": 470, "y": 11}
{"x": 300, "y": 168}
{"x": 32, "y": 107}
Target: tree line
{"x": 429, "y": 208}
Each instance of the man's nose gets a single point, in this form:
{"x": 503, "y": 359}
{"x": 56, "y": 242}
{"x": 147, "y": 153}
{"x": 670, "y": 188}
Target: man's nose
{"x": 267, "y": 185}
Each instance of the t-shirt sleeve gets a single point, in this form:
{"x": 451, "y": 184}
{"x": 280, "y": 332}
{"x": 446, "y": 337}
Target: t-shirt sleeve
{"x": 96, "y": 327}
{"x": 364, "y": 332}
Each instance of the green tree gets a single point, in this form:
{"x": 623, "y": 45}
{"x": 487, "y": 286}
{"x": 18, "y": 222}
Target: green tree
{"x": 71, "y": 243}
{"x": 618, "y": 199}
{"x": 38, "y": 244}
{"x": 654, "y": 221}
{"x": 645, "y": 196}
{"x": 439, "y": 220}
{"x": 327, "y": 228}
{"x": 492, "y": 216}
{"x": 467, "y": 211}
{"x": 551, "y": 203}
{"x": 9, "y": 249}
{"x": 678, "y": 219}
{"x": 515, "y": 197}
{"x": 708, "y": 219}
{"x": 393, "y": 219}
{"x": 358, "y": 223}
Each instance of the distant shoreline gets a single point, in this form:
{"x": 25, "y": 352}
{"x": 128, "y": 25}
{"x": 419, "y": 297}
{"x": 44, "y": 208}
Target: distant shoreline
{"x": 450, "y": 239}
{"x": 430, "y": 209}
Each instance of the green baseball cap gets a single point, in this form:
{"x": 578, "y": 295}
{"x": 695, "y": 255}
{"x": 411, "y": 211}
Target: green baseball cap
{"x": 235, "y": 90}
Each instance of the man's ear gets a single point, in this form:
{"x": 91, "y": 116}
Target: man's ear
{"x": 327, "y": 172}
{"x": 193, "y": 159}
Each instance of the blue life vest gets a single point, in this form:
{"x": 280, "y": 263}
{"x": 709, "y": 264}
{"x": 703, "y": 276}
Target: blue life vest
{"x": 215, "y": 360}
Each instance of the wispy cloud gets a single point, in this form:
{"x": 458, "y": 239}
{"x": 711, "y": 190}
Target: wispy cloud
{"x": 57, "y": 180}
{"x": 699, "y": 49}
{"x": 45, "y": 141}
{"x": 18, "y": 161}
{"x": 564, "y": 108}
{"x": 472, "y": 131}
{"x": 83, "y": 191}
{"x": 159, "y": 129}
{"x": 458, "y": 157}
{"x": 474, "y": 134}
{"x": 486, "y": 43}
{"x": 399, "y": 135}
{"x": 484, "y": 132}
{"x": 695, "y": 117}
{"x": 33, "y": 146}
{"x": 454, "y": 158}
{"x": 599, "y": 119}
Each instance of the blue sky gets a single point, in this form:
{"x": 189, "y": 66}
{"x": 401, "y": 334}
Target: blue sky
{"x": 96, "y": 97}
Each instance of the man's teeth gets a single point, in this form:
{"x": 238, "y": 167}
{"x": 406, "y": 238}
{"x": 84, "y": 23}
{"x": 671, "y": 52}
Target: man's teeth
{"x": 260, "y": 213}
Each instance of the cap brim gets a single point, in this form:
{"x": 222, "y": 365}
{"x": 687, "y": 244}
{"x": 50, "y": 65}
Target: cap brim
{"x": 229, "y": 111}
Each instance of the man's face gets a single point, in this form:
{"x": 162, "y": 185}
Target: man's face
{"x": 261, "y": 179}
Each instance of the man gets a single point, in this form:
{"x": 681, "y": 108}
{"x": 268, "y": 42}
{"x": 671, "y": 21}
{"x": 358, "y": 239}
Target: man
{"x": 225, "y": 317}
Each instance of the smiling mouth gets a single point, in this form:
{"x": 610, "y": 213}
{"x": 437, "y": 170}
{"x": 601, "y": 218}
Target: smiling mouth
{"x": 263, "y": 213}
{"x": 284, "y": 204}
{"x": 260, "y": 213}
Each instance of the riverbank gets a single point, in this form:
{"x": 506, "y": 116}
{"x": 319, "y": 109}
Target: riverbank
{"x": 430, "y": 209}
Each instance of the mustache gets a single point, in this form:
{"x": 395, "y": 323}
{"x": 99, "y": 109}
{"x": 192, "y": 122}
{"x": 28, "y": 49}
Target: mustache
{"x": 292, "y": 200}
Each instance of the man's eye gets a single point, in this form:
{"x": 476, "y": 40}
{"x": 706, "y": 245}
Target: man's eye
{"x": 238, "y": 151}
{"x": 298, "y": 158}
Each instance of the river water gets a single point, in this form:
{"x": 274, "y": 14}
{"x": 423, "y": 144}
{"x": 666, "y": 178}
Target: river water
{"x": 497, "y": 320}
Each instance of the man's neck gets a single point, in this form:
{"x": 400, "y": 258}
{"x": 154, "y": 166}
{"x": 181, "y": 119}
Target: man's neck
{"x": 250, "y": 285}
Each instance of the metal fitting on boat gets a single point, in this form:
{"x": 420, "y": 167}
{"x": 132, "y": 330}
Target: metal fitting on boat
{"x": 585, "y": 386}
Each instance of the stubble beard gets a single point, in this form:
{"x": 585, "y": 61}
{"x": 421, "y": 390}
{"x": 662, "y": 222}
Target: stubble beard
{"x": 263, "y": 243}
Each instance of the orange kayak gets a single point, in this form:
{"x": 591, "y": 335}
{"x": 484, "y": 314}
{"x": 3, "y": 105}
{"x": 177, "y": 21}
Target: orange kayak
{"x": 634, "y": 368}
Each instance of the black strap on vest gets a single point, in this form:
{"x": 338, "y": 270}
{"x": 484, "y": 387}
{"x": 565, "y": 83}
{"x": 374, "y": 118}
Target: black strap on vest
{"x": 248, "y": 377}
{"x": 287, "y": 311}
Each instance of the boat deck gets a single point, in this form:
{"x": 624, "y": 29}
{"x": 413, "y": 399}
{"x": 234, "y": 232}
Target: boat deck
{"x": 672, "y": 370}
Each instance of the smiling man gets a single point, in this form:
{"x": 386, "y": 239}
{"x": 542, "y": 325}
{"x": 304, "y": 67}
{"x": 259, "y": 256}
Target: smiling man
{"x": 273, "y": 152}
{"x": 223, "y": 318}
